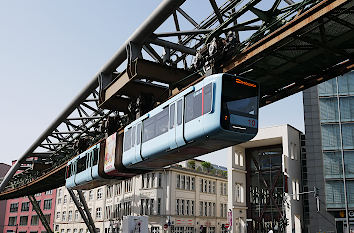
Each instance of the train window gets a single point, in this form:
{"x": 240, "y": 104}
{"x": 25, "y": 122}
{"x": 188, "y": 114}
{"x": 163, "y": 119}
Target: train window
{"x": 162, "y": 122}
{"x": 81, "y": 164}
{"x": 133, "y": 135}
{"x": 95, "y": 156}
{"x": 172, "y": 116}
{"x": 208, "y": 93}
{"x": 155, "y": 125}
{"x": 179, "y": 112}
{"x": 193, "y": 107}
{"x": 127, "y": 139}
{"x": 138, "y": 134}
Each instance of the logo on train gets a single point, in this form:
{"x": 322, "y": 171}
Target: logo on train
{"x": 239, "y": 81}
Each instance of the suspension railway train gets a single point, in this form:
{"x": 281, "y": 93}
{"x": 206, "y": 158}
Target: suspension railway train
{"x": 219, "y": 111}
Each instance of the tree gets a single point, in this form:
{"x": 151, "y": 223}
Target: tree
{"x": 191, "y": 164}
{"x": 207, "y": 166}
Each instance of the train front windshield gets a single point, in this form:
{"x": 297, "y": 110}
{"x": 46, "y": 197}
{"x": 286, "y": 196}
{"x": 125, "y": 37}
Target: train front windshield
{"x": 239, "y": 104}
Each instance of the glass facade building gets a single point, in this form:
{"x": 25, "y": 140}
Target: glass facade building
{"x": 329, "y": 125}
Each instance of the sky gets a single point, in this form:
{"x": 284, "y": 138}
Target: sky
{"x": 49, "y": 51}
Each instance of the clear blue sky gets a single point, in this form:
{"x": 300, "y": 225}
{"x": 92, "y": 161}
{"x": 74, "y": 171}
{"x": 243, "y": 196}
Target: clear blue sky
{"x": 49, "y": 50}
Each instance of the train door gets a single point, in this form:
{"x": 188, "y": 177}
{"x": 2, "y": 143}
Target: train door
{"x": 179, "y": 123}
{"x": 172, "y": 127}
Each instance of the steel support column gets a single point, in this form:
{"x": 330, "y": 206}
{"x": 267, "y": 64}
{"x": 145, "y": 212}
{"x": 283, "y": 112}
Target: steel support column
{"x": 40, "y": 213}
{"x": 86, "y": 209}
{"x": 85, "y": 214}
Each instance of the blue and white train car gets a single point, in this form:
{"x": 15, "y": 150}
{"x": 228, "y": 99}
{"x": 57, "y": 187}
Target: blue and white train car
{"x": 217, "y": 112}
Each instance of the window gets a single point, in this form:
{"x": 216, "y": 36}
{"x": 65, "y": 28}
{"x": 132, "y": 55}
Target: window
{"x": 63, "y": 216}
{"x": 59, "y": 201}
{"x": 156, "y": 125}
{"x": 133, "y": 136}
{"x": 187, "y": 207}
{"x": 81, "y": 164}
{"x": 138, "y": 134}
{"x": 109, "y": 191}
{"x": 155, "y": 229}
{"x": 179, "y": 112}
{"x": 127, "y": 139}
{"x": 182, "y": 182}
{"x": 201, "y": 208}
{"x": 178, "y": 182}
{"x": 65, "y": 199}
{"x": 209, "y": 186}
{"x": 49, "y": 192}
{"x": 25, "y": 206}
{"x": 214, "y": 187}
{"x": 151, "y": 206}
{"x": 148, "y": 180}
{"x": 192, "y": 208}
{"x": 34, "y": 220}
{"x": 192, "y": 183}
{"x": 70, "y": 215}
{"x": 47, "y": 204}
{"x": 182, "y": 207}
{"x": 179, "y": 230}
{"x": 12, "y": 221}
{"x": 211, "y": 229}
{"x": 98, "y": 212}
{"x": 60, "y": 192}
{"x": 172, "y": 116}
{"x": 90, "y": 195}
{"x": 208, "y": 89}
{"x": 14, "y": 207}
{"x": 108, "y": 212}
{"x": 142, "y": 201}
{"x": 193, "y": 108}
{"x": 189, "y": 229}
{"x": 188, "y": 181}
{"x": 99, "y": 193}
{"x": 153, "y": 180}
{"x": 76, "y": 214}
{"x": 160, "y": 180}
{"x": 239, "y": 193}
{"x": 159, "y": 206}
{"x": 177, "y": 206}
{"x": 57, "y": 215}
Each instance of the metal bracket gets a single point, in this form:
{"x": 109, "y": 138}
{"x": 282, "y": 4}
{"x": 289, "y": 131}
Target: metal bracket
{"x": 40, "y": 213}
{"x": 81, "y": 206}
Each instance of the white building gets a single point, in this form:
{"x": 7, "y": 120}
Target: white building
{"x": 265, "y": 181}
{"x": 185, "y": 197}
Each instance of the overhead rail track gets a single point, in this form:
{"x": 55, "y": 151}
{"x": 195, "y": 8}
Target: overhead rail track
{"x": 291, "y": 46}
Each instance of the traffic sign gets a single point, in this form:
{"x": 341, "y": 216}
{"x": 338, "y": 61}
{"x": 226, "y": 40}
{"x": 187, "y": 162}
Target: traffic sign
{"x": 227, "y": 225}
{"x": 165, "y": 226}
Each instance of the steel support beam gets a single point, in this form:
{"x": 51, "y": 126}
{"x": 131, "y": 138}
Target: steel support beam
{"x": 40, "y": 213}
{"x": 171, "y": 45}
{"x": 91, "y": 228}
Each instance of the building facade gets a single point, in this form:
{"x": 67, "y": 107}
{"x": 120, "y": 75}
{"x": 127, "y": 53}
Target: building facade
{"x": 20, "y": 216}
{"x": 4, "y": 168}
{"x": 329, "y": 126}
{"x": 184, "y": 198}
{"x": 265, "y": 182}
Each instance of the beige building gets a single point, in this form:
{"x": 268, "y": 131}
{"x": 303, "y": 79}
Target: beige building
{"x": 265, "y": 182}
{"x": 185, "y": 198}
